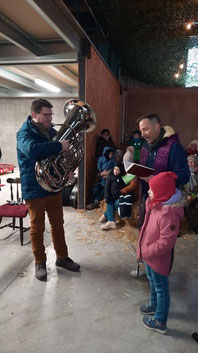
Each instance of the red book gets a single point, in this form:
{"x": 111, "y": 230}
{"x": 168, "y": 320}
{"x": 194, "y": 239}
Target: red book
{"x": 139, "y": 170}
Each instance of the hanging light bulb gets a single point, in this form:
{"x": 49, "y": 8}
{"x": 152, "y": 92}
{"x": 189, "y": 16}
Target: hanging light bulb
{"x": 176, "y": 75}
{"x": 189, "y": 25}
{"x": 181, "y": 66}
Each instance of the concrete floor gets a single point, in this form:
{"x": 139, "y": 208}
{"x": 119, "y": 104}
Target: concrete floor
{"x": 95, "y": 310}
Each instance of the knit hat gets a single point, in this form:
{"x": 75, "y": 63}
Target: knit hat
{"x": 163, "y": 186}
{"x": 193, "y": 158}
{"x": 121, "y": 167}
{"x": 119, "y": 153}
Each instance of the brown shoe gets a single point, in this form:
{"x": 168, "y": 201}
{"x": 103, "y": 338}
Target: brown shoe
{"x": 40, "y": 272}
{"x": 68, "y": 263}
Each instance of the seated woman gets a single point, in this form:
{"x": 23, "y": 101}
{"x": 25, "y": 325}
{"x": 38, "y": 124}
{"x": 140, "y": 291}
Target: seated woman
{"x": 191, "y": 209}
{"x": 105, "y": 164}
{"x": 192, "y": 148}
{"x": 104, "y": 140}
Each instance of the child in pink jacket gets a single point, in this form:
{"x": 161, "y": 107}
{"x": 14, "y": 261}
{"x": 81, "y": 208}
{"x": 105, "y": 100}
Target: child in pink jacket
{"x": 164, "y": 211}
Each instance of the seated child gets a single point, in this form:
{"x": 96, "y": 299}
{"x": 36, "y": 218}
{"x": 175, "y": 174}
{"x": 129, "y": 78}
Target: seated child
{"x": 119, "y": 196}
{"x": 136, "y": 141}
{"x": 113, "y": 186}
{"x": 164, "y": 211}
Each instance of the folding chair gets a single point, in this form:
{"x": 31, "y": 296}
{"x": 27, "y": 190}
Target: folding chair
{"x": 15, "y": 208}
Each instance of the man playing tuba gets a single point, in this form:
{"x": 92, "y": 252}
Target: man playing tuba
{"x": 34, "y": 143}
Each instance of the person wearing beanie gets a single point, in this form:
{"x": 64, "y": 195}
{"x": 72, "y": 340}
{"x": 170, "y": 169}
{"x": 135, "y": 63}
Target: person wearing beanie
{"x": 191, "y": 190}
{"x": 130, "y": 192}
{"x": 164, "y": 211}
{"x": 192, "y": 148}
{"x": 136, "y": 141}
{"x": 163, "y": 186}
{"x": 128, "y": 157}
{"x": 194, "y": 161}
{"x": 112, "y": 192}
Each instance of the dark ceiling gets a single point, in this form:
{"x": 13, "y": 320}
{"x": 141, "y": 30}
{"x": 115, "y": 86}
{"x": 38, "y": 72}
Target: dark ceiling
{"x": 149, "y": 37}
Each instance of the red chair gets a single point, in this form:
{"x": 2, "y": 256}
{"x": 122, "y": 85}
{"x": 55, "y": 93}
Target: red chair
{"x": 15, "y": 208}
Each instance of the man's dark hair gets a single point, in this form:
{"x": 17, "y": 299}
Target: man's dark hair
{"x": 154, "y": 118}
{"x": 105, "y": 130}
{"x": 39, "y": 103}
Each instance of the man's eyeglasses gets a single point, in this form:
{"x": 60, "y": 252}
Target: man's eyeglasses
{"x": 47, "y": 115}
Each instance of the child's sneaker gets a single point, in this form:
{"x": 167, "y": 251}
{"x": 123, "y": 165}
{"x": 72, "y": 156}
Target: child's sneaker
{"x": 152, "y": 324}
{"x": 109, "y": 225}
{"x": 147, "y": 309}
{"x": 103, "y": 219}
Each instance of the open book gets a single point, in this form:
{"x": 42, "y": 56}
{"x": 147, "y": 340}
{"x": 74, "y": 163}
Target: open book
{"x": 139, "y": 170}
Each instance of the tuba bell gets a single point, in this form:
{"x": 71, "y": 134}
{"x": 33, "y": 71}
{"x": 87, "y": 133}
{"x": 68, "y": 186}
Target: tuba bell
{"x": 52, "y": 173}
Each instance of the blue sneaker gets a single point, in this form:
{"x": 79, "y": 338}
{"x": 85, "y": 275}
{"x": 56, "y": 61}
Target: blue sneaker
{"x": 152, "y": 324}
{"x": 147, "y": 309}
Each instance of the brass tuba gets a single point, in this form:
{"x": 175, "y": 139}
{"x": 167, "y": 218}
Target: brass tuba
{"x": 52, "y": 173}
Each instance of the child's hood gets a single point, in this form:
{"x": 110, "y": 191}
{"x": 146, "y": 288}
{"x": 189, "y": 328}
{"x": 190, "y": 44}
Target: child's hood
{"x": 105, "y": 149}
{"x": 177, "y": 206}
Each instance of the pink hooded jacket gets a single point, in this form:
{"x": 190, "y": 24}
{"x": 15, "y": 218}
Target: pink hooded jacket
{"x": 158, "y": 235}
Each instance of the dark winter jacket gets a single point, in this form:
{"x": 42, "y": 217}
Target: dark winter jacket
{"x": 101, "y": 143}
{"x": 113, "y": 187}
{"x": 33, "y": 146}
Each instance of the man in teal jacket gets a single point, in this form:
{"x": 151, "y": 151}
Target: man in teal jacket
{"x": 34, "y": 143}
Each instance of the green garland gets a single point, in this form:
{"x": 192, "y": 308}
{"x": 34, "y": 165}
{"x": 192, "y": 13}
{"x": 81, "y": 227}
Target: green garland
{"x": 149, "y": 36}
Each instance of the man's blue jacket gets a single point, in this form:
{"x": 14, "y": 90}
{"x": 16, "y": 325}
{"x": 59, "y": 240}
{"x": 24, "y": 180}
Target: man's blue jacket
{"x": 33, "y": 146}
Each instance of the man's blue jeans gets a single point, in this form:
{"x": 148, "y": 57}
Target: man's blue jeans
{"x": 160, "y": 296}
{"x": 110, "y": 212}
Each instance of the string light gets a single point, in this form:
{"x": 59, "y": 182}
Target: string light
{"x": 189, "y": 25}
{"x": 181, "y": 66}
{"x": 177, "y": 75}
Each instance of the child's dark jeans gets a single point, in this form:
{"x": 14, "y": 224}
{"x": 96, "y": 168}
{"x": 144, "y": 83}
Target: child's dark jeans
{"x": 160, "y": 296}
{"x": 110, "y": 212}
